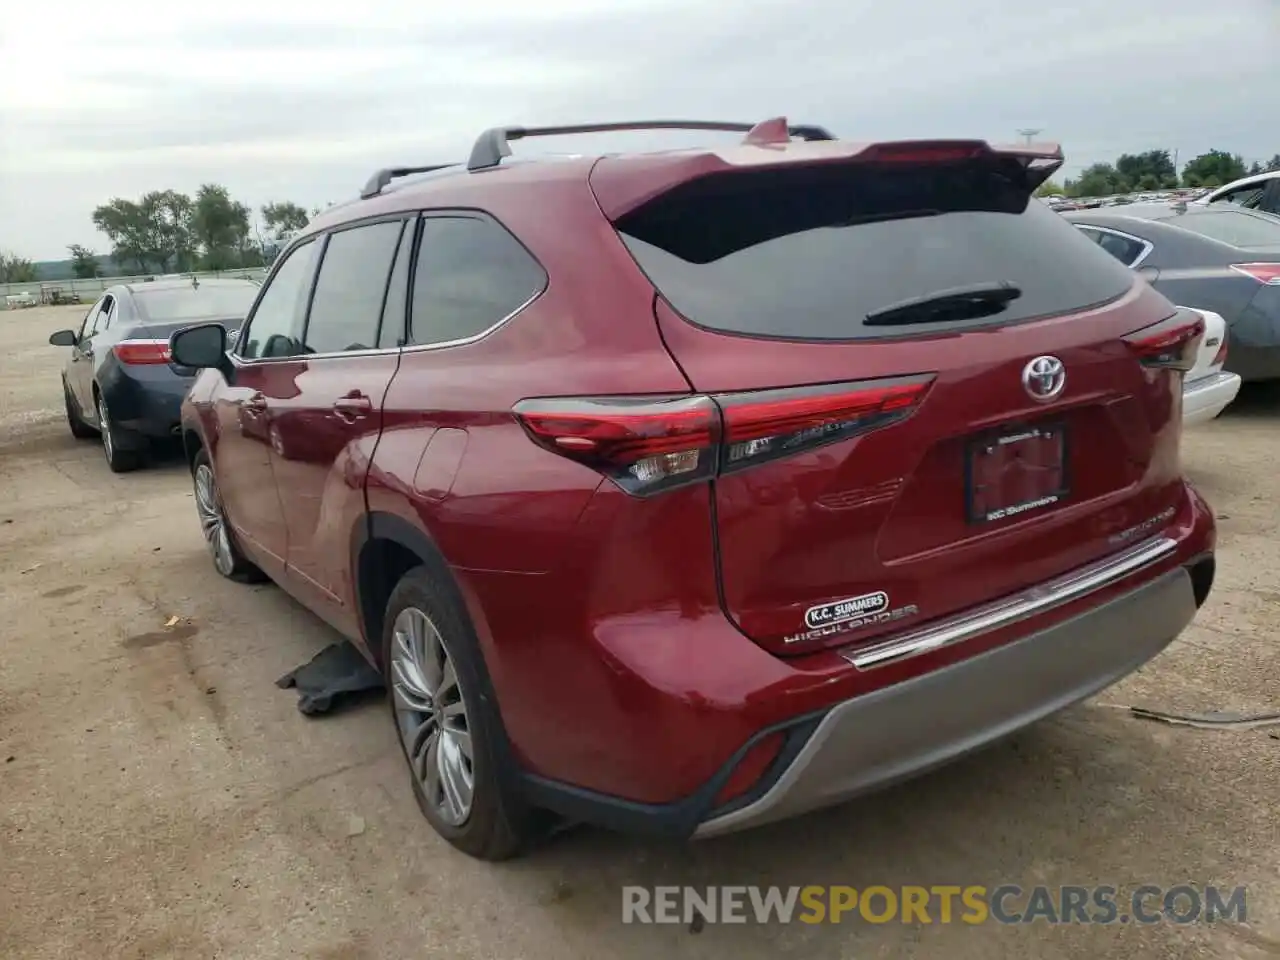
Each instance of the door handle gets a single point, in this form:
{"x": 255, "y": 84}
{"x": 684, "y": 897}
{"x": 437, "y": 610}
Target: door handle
{"x": 353, "y": 406}
{"x": 256, "y": 404}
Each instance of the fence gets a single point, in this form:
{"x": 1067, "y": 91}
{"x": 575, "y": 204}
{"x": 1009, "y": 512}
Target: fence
{"x": 87, "y": 291}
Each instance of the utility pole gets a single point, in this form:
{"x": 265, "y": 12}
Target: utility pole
{"x": 1028, "y": 133}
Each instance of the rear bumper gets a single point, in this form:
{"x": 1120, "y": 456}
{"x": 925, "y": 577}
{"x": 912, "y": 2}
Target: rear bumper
{"x": 1254, "y": 363}
{"x": 1204, "y": 399}
{"x": 897, "y": 732}
{"x": 148, "y": 403}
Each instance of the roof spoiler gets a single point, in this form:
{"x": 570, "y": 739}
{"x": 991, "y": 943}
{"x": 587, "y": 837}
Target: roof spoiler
{"x": 1039, "y": 161}
{"x": 495, "y": 144}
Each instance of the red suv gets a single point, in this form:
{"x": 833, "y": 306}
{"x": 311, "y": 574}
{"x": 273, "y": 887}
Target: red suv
{"x": 685, "y": 491}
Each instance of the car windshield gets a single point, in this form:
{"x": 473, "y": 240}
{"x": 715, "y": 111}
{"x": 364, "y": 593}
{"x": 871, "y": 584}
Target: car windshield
{"x": 223, "y": 301}
{"x": 1240, "y": 228}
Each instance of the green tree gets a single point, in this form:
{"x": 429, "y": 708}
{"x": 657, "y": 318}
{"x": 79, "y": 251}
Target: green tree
{"x": 284, "y": 219}
{"x": 1098, "y": 180}
{"x": 1272, "y": 164}
{"x": 1255, "y": 168}
{"x": 1148, "y": 171}
{"x": 1217, "y": 166}
{"x": 84, "y": 262}
{"x": 1050, "y": 188}
{"x": 169, "y": 216}
{"x": 220, "y": 228}
{"x": 126, "y": 226}
{"x": 16, "y": 269}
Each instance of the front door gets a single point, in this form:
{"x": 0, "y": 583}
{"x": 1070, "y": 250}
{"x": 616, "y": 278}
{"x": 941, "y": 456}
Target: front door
{"x": 267, "y": 368}
{"x": 83, "y": 359}
{"x": 324, "y": 432}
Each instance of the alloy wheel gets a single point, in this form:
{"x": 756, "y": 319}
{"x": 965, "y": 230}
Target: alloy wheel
{"x": 212, "y": 522}
{"x": 431, "y": 716}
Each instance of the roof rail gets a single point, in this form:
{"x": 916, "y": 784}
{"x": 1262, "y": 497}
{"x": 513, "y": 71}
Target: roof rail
{"x": 494, "y": 144}
{"x": 381, "y": 178}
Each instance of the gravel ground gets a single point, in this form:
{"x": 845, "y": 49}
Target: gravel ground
{"x": 160, "y": 798}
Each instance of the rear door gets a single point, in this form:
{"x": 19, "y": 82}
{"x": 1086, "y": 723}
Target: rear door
{"x": 323, "y": 432}
{"x": 927, "y": 397}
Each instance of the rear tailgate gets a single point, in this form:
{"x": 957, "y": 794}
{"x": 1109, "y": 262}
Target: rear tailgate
{"x": 878, "y": 476}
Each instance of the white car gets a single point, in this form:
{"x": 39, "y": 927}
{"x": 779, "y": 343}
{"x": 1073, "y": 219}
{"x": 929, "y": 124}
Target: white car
{"x": 1258, "y": 192}
{"x": 1207, "y": 388}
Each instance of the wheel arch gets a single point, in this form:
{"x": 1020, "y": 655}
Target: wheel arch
{"x": 384, "y": 547}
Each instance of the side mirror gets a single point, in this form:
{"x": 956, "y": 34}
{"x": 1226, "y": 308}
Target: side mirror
{"x": 200, "y": 347}
{"x": 64, "y": 338}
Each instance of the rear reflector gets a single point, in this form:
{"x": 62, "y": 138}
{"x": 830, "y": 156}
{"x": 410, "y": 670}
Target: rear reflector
{"x": 650, "y": 444}
{"x": 135, "y": 352}
{"x": 1170, "y": 344}
{"x": 1268, "y": 273}
{"x": 754, "y": 764}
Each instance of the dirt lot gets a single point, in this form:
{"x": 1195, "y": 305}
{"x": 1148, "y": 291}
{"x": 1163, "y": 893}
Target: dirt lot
{"x": 160, "y": 798}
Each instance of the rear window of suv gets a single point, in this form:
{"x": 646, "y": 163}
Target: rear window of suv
{"x": 807, "y": 253}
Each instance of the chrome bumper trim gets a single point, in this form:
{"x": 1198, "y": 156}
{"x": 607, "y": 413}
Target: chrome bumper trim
{"x": 1036, "y": 600}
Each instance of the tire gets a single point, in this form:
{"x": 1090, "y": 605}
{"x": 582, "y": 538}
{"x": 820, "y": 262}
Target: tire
{"x": 218, "y": 536}
{"x": 79, "y": 429}
{"x": 120, "y": 459}
{"x": 496, "y": 824}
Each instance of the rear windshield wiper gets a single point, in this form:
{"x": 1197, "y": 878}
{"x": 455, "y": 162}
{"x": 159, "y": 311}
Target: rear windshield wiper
{"x": 974, "y": 300}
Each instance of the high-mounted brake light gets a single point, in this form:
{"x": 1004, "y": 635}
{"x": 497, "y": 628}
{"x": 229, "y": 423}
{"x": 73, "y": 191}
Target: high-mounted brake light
{"x": 1268, "y": 273}
{"x": 135, "y": 352}
{"x": 649, "y": 444}
{"x": 923, "y": 152}
{"x": 1170, "y": 344}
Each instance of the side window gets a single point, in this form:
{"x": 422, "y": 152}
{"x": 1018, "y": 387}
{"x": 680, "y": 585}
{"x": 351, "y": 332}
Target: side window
{"x": 1270, "y": 202}
{"x": 1125, "y": 249}
{"x": 276, "y": 324}
{"x": 393, "y": 311}
{"x": 1248, "y": 197}
{"x": 346, "y": 309}
{"x": 470, "y": 275}
{"x": 101, "y": 316}
{"x": 1092, "y": 234}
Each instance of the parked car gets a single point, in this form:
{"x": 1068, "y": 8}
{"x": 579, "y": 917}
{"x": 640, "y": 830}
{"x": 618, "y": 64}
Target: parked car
{"x": 1223, "y": 259}
{"x": 1258, "y": 192}
{"x": 1208, "y": 389}
{"x": 118, "y": 383}
{"x": 682, "y": 492}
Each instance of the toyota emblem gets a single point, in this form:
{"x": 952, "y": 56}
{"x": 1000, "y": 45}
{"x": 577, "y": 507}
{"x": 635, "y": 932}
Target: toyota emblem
{"x": 1044, "y": 378}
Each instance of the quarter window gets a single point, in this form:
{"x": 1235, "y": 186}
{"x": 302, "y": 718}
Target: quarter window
{"x": 346, "y": 309}
{"x": 1125, "y": 249}
{"x": 276, "y": 325}
{"x": 470, "y": 275}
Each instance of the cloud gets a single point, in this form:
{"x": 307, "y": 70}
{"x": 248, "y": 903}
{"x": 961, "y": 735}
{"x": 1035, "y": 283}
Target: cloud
{"x": 296, "y": 100}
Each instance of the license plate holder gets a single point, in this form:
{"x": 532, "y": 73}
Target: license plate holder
{"x": 1016, "y": 472}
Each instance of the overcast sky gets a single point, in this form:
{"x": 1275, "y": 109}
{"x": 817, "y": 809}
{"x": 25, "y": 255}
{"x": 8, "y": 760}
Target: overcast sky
{"x": 289, "y": 100}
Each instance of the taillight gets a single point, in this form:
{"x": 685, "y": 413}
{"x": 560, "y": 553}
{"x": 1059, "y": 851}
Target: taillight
{"x": 650, "y": 444}
{"x": 1268, "y": 273}
{"x": 644, "y": 444}
{"x": 136, "y": 352}
{"x": 1170, "y": 344}
{"x": 762, "y": 425}
{"x": 1220, "y": 357}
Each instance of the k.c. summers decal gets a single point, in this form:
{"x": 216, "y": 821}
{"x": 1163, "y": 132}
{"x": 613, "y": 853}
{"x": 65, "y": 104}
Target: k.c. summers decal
{"x": 851, "y": 608}
{"x": 852, "y": 613}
